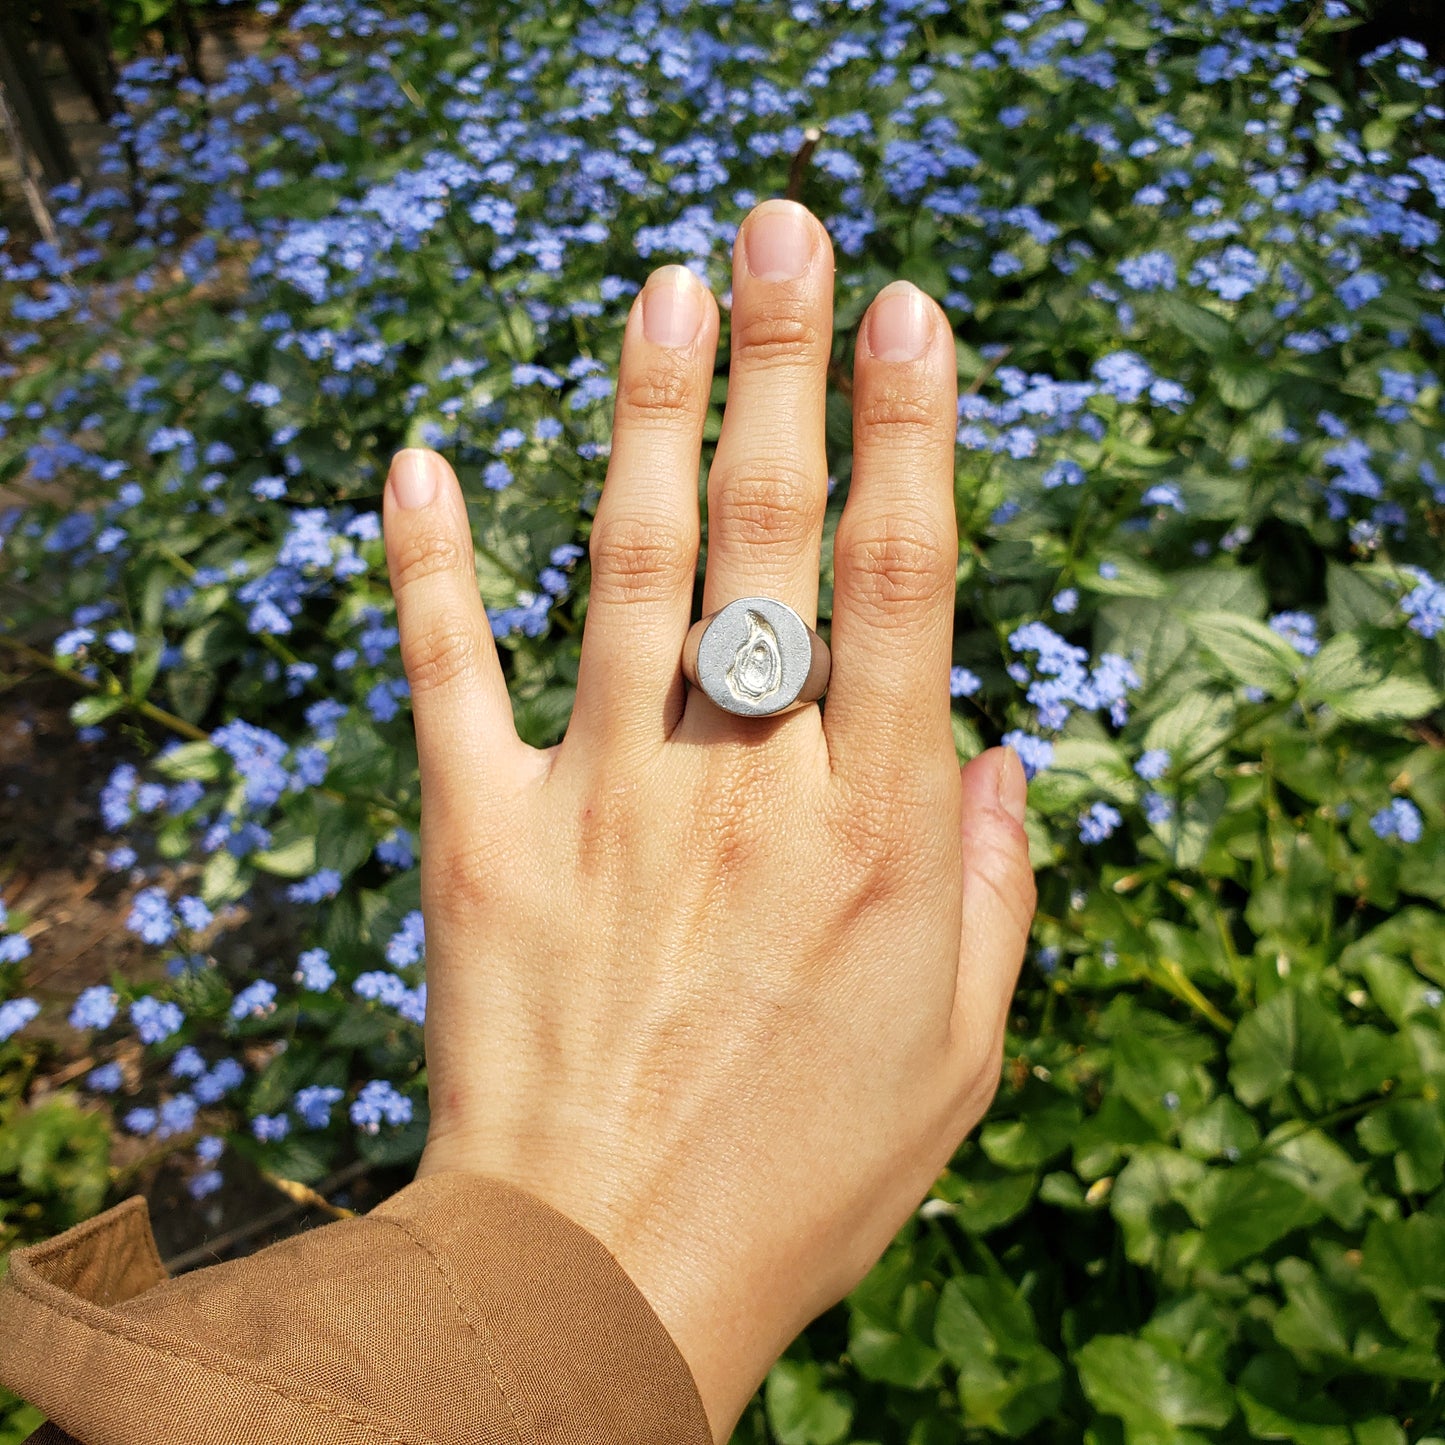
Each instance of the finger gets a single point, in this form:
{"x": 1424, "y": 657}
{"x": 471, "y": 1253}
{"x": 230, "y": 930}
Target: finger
{"x": 644, "y": 539}
{"x": 998, "y": 900}
{"x": 768, "y": 486}
{"x": 895, "y": 553}
{"x": 464, "y": 730}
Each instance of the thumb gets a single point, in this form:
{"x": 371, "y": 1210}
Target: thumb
{"x": 999, "y": 895}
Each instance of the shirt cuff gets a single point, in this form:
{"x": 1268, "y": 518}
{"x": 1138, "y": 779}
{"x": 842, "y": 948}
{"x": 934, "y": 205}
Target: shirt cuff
{"x": 463, "y": 1309}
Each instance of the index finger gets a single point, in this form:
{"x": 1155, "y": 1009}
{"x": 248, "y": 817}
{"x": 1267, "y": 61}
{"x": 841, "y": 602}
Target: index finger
{"x": 895, "y": 555}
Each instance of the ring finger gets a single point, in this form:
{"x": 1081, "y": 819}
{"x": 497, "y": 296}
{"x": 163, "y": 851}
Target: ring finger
{"x": 768, "y": 486}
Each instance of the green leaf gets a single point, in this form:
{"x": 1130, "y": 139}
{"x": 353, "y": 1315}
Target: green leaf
{"x": 1248, "y": 651}
{"x": 1245, "y": 1209}
{"x": 1209, "y": 331}
{"x": 892, "y": 1358}
{"x": 1242, "y": 384}
{"x": 1152, "y": 1393}
{"x": 1043, "y": 1130}
{"x": 87, "y": 711}
{"x": 1403, "y": 1264}
{"x": 1293, "y": 1038}
{"x": 343, "y": 835}
{"x": 199, "y": 761}
{"x": 1399, "y": 697}
{"x": 800, "y": 1410}
{"x": 293, "y": 859}
{"x": 1413, "y": 1132}
{"x": 1007, "y": 1382}
{"x": 1144, "y": 1201}
{"x": 1278, "y": 1406}
{"x": 1357, "y": 599}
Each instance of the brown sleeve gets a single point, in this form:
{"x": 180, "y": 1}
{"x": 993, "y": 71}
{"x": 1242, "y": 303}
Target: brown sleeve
{"x": 461, "y": 1310}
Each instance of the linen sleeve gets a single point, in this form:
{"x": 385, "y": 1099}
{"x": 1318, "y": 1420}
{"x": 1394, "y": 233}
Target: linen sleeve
{"x": 462, "y": 1311}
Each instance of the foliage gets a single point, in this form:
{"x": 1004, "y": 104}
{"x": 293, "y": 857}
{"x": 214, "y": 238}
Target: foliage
{"x": 54, "y": 1159}
{"x": 1193, "y": 268}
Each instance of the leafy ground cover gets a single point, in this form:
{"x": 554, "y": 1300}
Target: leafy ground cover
{"x": 1194, "y": 265}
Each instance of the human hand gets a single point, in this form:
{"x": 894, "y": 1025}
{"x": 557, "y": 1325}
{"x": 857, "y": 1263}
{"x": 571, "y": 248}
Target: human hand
{"x": 727, "y": 992}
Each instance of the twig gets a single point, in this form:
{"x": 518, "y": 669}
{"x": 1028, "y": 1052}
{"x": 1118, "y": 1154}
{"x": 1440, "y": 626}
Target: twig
{"x": 21, "y": 151}
{"x": 799, "y": 167}
{"x": 211, "y": 1251}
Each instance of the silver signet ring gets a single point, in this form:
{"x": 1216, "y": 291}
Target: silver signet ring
{"x": 756, "y": 657}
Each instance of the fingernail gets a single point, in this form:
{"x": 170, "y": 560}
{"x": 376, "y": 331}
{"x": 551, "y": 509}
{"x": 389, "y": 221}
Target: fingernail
{"x": 779, "y": 241}
{"x": 898, "y": 323}
{"x": 671, "y": 306}
{"x": 1013, "y": 786}
{"x": 413, "y": 478}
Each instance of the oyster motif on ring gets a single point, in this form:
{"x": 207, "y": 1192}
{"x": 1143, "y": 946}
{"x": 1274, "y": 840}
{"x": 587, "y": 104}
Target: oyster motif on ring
{"x": 756, "y": 657}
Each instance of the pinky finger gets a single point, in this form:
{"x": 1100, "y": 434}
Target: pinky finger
{"x": 466, "y": 741}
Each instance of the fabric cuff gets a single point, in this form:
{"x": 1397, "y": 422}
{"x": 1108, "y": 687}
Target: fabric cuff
{"x": 462, "y": 1309}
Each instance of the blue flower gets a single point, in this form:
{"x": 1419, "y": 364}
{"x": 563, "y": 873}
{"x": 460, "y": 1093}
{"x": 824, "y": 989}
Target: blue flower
{"x": 104, "y": 1079}
{"x": 15, "y": 1013}
{"x": 379, "y": 1103}
{"x": 14, "y": 948}
{"x": 94, "y": 1008}
{"x": 69, "y": 643}
{"x": 323, "y": 884}
{"x": 1099, "y": 822}
{"x": 151, "y": 916}
{"x": 268, "y": 1127}
{"x": 154, "y": 1021}
{"x": 1401, "y": 819}
{"x": 962, "y": 682}
{"x": 256, "y": 1000}
{"x": 1298, "y": 629}
{"x": 1153, "y": 271}
{"x": 314, "y": 971}
{"x": 1063, "y": 473}
{"x": 1424, "y": 606}
{"x": 314, "y": 1102}
{"x": 177, "y": 1116}
{"x": 218, "y": 1081}
{"x": 187, "y": 1063}
{"x": 397, "y": 849}
{"x": 1357, "y": 290}
{"x": 1152, "y": 765}
{"x": 207, "y": 1182}
{"x": 1035, "y": 754}
{"x": 209, "y": 1148}
{"x": 193, "y": 913}
{"x": 407, "y": 944}
{"x": 140, "y": 1121}
{"x": 1157, "y": 808}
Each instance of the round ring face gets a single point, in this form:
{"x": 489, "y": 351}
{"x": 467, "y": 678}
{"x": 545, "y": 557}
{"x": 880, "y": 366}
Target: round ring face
{"x": 754, "y": 657}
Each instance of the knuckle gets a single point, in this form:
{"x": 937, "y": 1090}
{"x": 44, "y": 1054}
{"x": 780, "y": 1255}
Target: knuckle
{"x": 466, "y": 878}
{"x": 868, "y": 844}
{"x": 424, "y": 554}
{"x": 1004, "y": 876}
{"x": 438, "y": 656}
{"x": 761, "y": 504}
{"x": 639, "y": 559}
{"x": 664, "y": 393}
{"x": 897, "y": 561}
{"x": 783, "y": 334}
{"x": 897, "y": 410}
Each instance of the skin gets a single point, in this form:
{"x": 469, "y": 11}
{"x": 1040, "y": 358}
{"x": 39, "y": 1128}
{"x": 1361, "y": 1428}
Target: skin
{"x": 727, "y": 992}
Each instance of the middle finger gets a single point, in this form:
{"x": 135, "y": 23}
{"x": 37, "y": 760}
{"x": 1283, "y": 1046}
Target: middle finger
{"x": 768, "y": 487}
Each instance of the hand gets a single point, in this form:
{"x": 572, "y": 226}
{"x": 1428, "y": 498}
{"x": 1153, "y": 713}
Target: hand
{"x": 729, "y": 993}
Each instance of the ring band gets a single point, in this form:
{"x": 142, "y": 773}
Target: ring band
{"x": 756, "y": 658}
